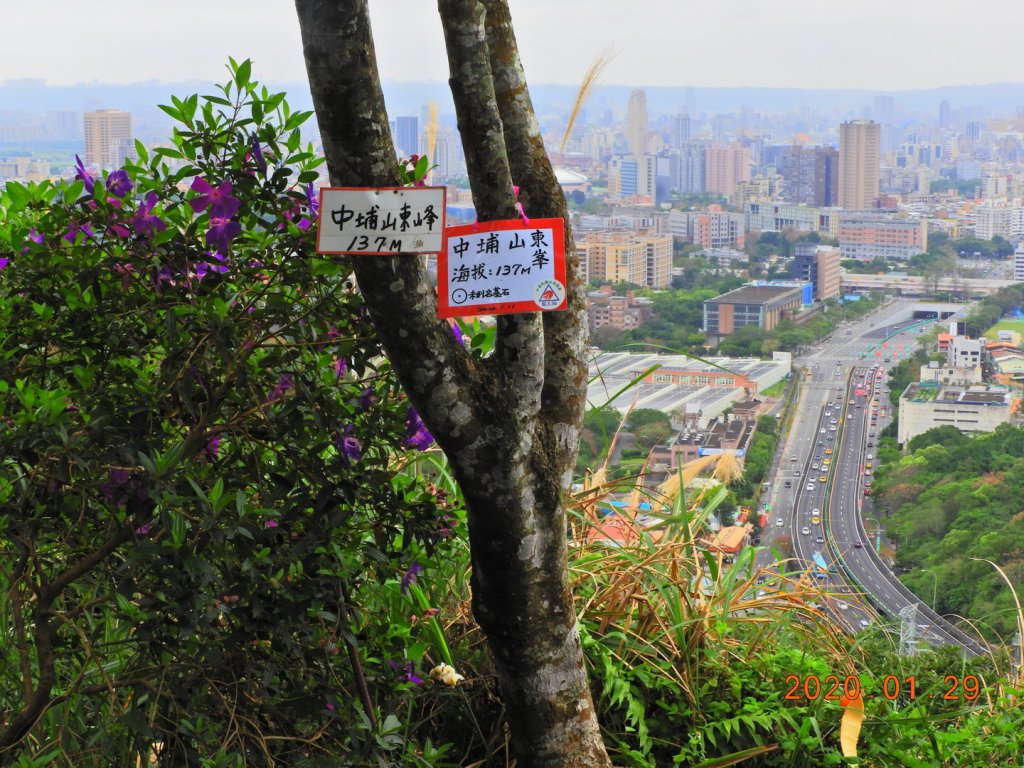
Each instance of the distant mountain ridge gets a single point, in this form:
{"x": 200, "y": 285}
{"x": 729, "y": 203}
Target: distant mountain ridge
{"x": 408, "y": 97}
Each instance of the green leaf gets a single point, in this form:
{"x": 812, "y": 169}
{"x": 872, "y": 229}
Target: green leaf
{"x": 242, "y": 74}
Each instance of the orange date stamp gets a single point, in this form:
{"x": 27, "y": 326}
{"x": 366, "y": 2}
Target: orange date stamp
{"x": 848, "y": 687}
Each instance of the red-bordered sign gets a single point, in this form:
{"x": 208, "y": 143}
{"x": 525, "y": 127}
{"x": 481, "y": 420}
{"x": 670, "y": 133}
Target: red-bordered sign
{"x": 501, "y": 267}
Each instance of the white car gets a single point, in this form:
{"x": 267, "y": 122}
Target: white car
{"x": 778, "y": 522}
{"x": 805, "y": 531}
{"x": 841, "y": 605}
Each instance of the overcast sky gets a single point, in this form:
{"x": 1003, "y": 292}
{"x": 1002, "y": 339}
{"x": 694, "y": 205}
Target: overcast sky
{"x": 876, "y": 45}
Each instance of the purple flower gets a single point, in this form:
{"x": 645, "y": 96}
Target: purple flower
{"x": 203, "y": 268}
{"x": 221, "y": 233}
{"x": 220, "y": 201}
{"x": 257, "y": 153}
{"x": 405, "y": 671}
{"x": 312, "y": 201}
{"x": 340, "y": 367}
{"x": 459, "y": 335}
{"x": 270, "y": 524}
{"x": 4, "y": 261}
{"x": 410, "y": 576}
{"x": 283, "y": 385}
{"x": 74, "y": 229}
{"x": 349, "y": 446}
{"x": 84, "y": 175}
{"x": 211, "y": 448}
{"x": 144, "y": 221}
{"x": 416, "y": 433}
{"x": 118, "y": 183}
{"x": 367, "y": 398}
{"x": 121, "y": 486}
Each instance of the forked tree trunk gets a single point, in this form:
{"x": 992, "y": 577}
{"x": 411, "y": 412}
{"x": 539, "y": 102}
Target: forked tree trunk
{"x": 510, "y": 424}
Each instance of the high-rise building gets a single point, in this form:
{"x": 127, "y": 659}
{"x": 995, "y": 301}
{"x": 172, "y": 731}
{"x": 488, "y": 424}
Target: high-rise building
{"x": 407, "y": 135}
{"x": 693, "y": 164}
{"x": 944, "y": 113}
{"x": 636, "y": 123}
{"x": 725, "y": 167}
{"x": 811, "y": 176}
{"x": 859, "y": 161}
{"x": 681, "y": 130}
{"x": 108, "y": 134}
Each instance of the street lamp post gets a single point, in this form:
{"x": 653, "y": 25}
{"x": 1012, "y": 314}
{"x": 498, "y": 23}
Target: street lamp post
{"x": 878, "y": 533}
{"x": 935, "y": 584}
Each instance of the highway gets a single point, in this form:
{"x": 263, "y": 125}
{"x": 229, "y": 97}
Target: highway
{"x": 843, "y": 405}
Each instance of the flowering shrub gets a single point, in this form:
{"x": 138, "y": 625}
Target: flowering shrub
{"x": 200, "y": 460}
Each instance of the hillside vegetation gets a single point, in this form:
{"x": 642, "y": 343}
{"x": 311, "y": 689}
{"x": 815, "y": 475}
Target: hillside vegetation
{"x": 951, "y": 503}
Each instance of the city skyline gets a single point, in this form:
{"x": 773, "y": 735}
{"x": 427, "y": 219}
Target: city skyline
{"x": 732, "y": 43}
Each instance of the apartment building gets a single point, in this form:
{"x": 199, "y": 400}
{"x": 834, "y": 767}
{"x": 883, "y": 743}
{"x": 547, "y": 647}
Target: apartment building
{"x": 860, "y": 143}
{"x": 626, "y": 257}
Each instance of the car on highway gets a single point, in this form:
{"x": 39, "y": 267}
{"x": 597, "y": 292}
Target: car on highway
{"x": 865, "y": 623}
{"x": 826, "y": 462}
{"x": 814, "y": 466}
{"x": 810, "y": 486}
{"x": 796, "y": 473}
{"x": 816, "y": 520}
{"x": 823, "y": 479}
{"x": 852, "y": 402}
{"x": 778, "y": 522}
{"x": 841, "y": 605}
{"x": 820, "y": 540}
{"x": 828, "y": 451}
{"x": 789, "y": 483}
{"x": 805, "y": 531}
{"x": 857, "y": 544}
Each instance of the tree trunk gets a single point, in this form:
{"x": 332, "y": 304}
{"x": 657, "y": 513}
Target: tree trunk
{"x": 509, "y": 424}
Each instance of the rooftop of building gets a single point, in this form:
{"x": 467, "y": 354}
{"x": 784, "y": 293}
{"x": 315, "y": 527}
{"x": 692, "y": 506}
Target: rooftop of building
{"x": 756, "y": 294}
{"x": 976, "y": 394}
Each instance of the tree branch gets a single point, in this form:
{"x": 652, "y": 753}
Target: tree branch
{"x": 565, "y": 333}
{"x": 439, "y": 375}
{"x": 518, "y": 353}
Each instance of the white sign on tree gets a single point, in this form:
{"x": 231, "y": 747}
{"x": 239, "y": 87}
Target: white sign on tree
{"x": 381, "y": 221}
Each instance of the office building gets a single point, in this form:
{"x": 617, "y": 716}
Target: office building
{"x": 772, "y": 216}
{"x": 760, "y": 305}
{"x": 975, "y": 408}
{"x": 859, "y": 163}
{"x": 108, "y": 137}
{"x": 632, "y": 178}
{"x": 876, "y": 236}
{"x": 818, "y": 265}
